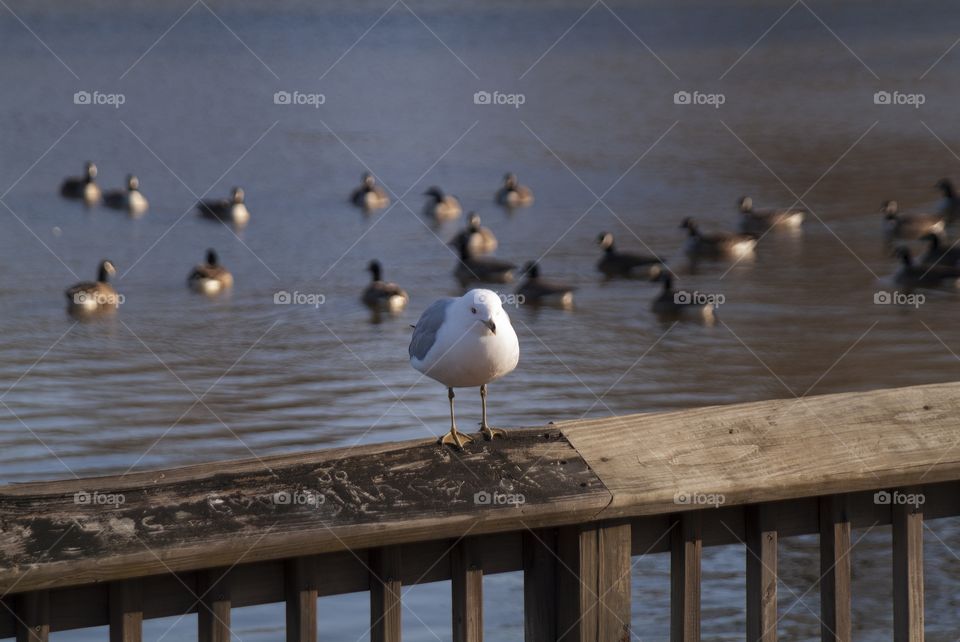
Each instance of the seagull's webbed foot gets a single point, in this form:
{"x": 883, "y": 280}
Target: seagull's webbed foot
{"x": 492, "y": 433}
{"x": 456, "y": 439}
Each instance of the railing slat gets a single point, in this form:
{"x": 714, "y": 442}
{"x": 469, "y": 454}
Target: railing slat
{"x": 686, "y": 546}
{"x": 213, "y": 612}
{"x": 466, "y": 573}
{"x": 540, "y": 585}
{"x": 907, "y": 571}
{"x": 835, "y": 594}
{"x": 300, "y": 588}
{"x": 761, "y": 536}
{"x": 126, "y": 611}
{"x": 33, "y": 616}
{"x": 385, "y": 594}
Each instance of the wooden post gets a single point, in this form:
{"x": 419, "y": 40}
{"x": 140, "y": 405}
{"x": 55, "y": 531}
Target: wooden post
{"x": 213, "y": 612}
{"x": 466, "y": 581}
{"x": 908, "y": 570}
{"x": 385, "y": 594}
{"x": 761, "y": 536}
{"x": 540, "y": 585}
{"x": 593, "y": 583}
{"x": 834, "y": 569}
{"x": 686, "y": 545}
{"x": 126, "y": 611}
{"x": 33, "y": 616}
{"x": 300, "y": 588}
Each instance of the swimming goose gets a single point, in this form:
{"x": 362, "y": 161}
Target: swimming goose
{"x": 440, "y": 206}
{"x": 719, "y": 245}
{"x": 924, "y": 276}
{"x": 950, "y": 203}
{"x": 369, "y": 195}
{"x": 537, "y": 291}
{"x": 671, "y": 305}
{"x": 481, "y": 269}
{"x": 480, "y": 239}
{"x": 94, "y": 296}
{"x": 938, "y": 253}
{"x": 129, "y": 199}
{"x": 383, "y": 296}
{"x": 616, "y": 263}
{"x": 899, "y": 225}
{"x": 82, "y": 187}
{"x": 513, "y": 194}
{"x": 210, "y": 277}
{"x": 229, "y": 210}
{"x": 759, "y": 221}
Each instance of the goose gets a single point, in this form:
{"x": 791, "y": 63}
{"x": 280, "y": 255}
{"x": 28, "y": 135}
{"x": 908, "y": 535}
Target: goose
{"x": 616, "y": 263}
{"x": 82, "y": 187}
{"x": 759, "y": 221}
{"x": 513, "y": 194}
{"x": 210, "y": 277}
{"x": 129, "y": 199}
{"x": 480, "y": 239}
{"x": 229, "y": 210}
{"x": 369, "y": 195}
{"x": 719, "y": 245}
{"x": 950, "y": 203}
{"x": 899, "y": 225}
{"x": 383, "y": 296}
{"x": 440, "y": 206}
{"x": 937, "y": 254}
{"x": 94, "y": 296}
{"x": 671, "y": 305}
{"x": 482, "y": 269}
{"x": 536, "y": 290}
{"x": 924, "y": 276}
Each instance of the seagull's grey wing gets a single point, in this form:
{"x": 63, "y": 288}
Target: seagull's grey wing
{"x": 425, "y": 332}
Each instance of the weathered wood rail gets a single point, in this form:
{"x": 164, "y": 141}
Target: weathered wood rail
{"x": 205, "y": 539}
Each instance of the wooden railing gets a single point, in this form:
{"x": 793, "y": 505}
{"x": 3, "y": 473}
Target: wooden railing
{"x": 568, "y": 504}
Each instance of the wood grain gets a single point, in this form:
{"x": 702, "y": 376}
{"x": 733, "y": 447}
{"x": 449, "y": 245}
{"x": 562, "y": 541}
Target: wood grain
{"x": 761, "y": 540}
{"x": 907, "y": 570}
{"x": 835, "y": 570}
{"x": 686, "y": 548}
{"x": 466, "y": 586}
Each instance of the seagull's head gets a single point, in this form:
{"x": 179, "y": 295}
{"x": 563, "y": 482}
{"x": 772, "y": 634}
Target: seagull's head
{"x": 484, "y": 308}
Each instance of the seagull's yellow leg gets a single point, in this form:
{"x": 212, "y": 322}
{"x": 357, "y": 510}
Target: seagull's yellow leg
{"x": 454, "y": 438}
{"x": 488, "y": 432}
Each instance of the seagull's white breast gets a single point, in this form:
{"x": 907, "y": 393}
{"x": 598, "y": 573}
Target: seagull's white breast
{"x": 466, "y": 354}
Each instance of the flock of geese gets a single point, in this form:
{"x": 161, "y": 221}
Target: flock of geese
{"x": 938, "y": 267}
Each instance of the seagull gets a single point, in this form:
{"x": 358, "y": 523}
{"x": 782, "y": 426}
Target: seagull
{"x": 465, "y": 342}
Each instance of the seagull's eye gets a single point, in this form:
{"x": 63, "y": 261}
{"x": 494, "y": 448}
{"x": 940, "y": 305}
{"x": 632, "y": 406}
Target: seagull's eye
{"x": 473, "y": 310}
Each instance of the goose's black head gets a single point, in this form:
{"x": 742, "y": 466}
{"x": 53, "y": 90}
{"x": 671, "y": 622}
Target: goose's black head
{"x": 473, "y": 222}
{"x": 945, "y": 185}
{"x": 237, "y": 195}
{"x": 510, "y": 181}
{"x": 690, "y": 225}
{"x": 890, "y": 209}
{"x": 667, "y": 280}
{"x": 605, "y": 240}
{"x": 133, "y": 183}
{"x": 367, "y": 180}
{"x": 90, "y": 170}
{"x": 746, "y": 204}
{"x": 212, "y": 258}
{"x": 106, "y": 271}
{"x": 375, "y": 269}
{"x": 932, "y": 239}
{"x": 903, "y": 253}
{"x": 436, "y": 193}
{"x": 532, "y": 270}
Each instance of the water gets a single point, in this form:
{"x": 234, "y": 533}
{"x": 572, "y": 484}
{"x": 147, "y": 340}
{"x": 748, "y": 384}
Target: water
{"x": 598, "y": 120}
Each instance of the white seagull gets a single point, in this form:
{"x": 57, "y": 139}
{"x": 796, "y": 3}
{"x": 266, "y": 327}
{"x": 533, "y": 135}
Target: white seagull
{"x": 462, "y": 343}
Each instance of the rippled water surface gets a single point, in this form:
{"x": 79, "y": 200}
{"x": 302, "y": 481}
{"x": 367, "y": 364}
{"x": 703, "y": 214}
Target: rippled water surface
{"x": 175, "y": 378}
